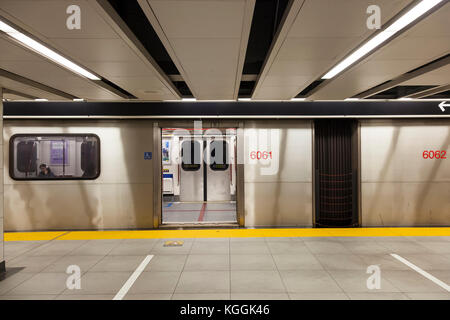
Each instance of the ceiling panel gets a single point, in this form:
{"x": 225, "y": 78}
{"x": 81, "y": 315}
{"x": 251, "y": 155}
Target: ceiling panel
{"x": 206, "y": 40}
{"x": 34, "y": 67}
{"x": 100, "y": 45}
{"x": 315, "y": 36}
{"x": 438, "y": 77}
{"x": 23, "y": 88}
{"x": 415, "y": 47}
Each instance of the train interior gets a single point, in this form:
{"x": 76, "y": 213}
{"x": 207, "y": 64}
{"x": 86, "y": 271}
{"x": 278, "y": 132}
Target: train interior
{"x": 199, "y": 176}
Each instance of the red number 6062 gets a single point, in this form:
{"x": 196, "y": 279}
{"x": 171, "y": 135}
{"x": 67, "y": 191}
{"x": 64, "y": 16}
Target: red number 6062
{"x": 430, "y": 154}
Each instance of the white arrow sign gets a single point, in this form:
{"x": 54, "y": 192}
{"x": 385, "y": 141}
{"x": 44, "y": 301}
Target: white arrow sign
{"x": 443, "y": 105}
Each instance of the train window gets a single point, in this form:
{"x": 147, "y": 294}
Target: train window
{"x": 190, "y": 155}
{"x": 54, "y": 157}
{"x": 218, "y": 155}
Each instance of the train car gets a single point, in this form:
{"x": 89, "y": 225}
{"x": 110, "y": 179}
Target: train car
{"x": 79, "y": 174}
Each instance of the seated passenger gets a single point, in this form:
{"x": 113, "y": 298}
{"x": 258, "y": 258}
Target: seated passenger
{"x": 45, "y": 171}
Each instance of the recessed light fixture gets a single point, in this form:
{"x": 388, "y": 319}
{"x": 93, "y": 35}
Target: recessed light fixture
{"x": 351, "y": 99}
{"x": 188, "y": 99}
{"x": 44, "y": 51}
{"x": 420, "y": 9}
{"x": 298, "y": 99}
{"x": 244, "y": 99}
{"x": 78, "y": 100}
{"x": 40, "y": 99}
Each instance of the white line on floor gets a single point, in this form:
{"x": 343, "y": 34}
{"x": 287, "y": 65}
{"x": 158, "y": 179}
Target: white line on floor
{"x": 423, "y": 273}
{"x": 123, "y": 291}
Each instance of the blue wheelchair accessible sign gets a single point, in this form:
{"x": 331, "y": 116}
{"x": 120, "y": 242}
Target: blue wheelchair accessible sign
{"x": 147, "y": 156}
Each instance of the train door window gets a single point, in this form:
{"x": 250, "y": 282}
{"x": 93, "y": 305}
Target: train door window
{"x": 54, "y": 157}
{"x": 190, "y": 155}
{"x": 218, "y": 155}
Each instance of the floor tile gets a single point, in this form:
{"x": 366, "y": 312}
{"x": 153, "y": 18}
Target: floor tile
{"x": 428, "y": 296}
{"x": 296, "y": 247}
{"x": 305, "y": 261}
{"x": 117, "y": 263}
{"x": 341, "y": 262}
{"x": 367, "y": 248}
{"x": 167, "y": 263}
{"x": 198, "y": 262}
{"x": 356, "y": 281}
{"x": 56, "y": 248}
{"x": 100, "y": 283}
{"x": 378, "y": 296}
{"x": 384, "y": 261}
{"x": 30, "y": 297}
{"x": 42, "y": 283}
{"x": 437, "y": 246}
{"x": 318, "y": 296}
{"x": 155, "y": 282}
{"x": 133, "y": 248}
{"x": 32, "y": 264}
{"x": 404, "y": 247}
{"x": 252, "y": 262}
{"x": 429, "y": 261}
{"x": 148, "y": 296}
{"x": 259, "y": 296}
{"x": 204, "y": 247}
{"x": 204, "y": 282}
{"x": 13, "y": 280}
{"x": 309, "y": 281}
{"x": 83, "y": 262}
{"x": 411, "y": 281}
{"x": 256, "y": 281}
{"x": 93, "y": 247}
{"x": 201, "y": 296}
{"x": 318, "y": 247}
{"x": 85, "y": 297}
{"x": 249, "y": 247}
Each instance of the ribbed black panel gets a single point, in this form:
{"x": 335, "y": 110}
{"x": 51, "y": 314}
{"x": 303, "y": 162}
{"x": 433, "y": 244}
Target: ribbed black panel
{"x": 335, "y": 176}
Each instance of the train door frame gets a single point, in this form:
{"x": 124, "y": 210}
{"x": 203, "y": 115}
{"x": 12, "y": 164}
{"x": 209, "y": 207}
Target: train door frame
{"x": 157, "y": 169}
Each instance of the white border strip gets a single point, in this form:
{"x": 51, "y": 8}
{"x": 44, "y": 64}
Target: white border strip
{"x": 423, "y": 273}
{"x": 123, "y": 291}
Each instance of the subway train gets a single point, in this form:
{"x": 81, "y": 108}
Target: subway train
{"x": 144, "y": 173}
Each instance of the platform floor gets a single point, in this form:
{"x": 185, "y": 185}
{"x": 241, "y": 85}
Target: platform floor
{"x": 265, "y": 267}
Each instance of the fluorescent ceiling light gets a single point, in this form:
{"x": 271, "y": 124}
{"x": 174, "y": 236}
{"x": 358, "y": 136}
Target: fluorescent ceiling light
{"x": 420, "y": 9}
{"x": 46, "y": 52}
{"x": 351, "y": 99}
{"x": 404, "y": 99}
{"x": 78, "y": 100}
{"x": 188, "y": 99}
{"x": 40, "y": 100}
{"x": 298, "y": 99}
{"x": 244, "y": 99}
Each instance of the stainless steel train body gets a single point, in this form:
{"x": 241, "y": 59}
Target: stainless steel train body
{"x": 271, "y": 181}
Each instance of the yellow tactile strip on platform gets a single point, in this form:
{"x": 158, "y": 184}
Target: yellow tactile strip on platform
{"x": 33, "y": 236}
{"x": 226, "y": 233}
